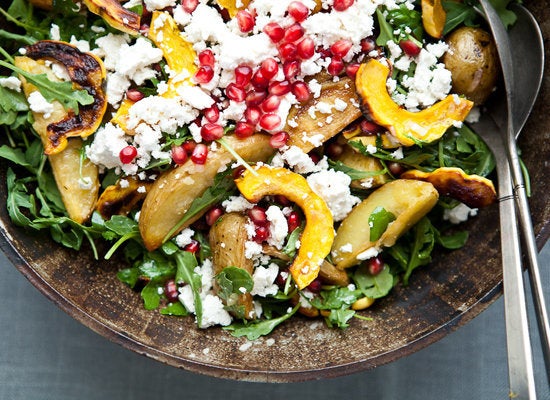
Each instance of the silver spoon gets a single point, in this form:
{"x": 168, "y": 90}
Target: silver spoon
{"x": 504, "y": 147}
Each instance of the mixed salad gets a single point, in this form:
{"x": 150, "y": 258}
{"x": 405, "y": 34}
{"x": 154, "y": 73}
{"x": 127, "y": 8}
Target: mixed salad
{"x": 248, "y": 161}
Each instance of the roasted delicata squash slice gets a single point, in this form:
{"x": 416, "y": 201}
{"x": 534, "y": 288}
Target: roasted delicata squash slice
{"x": 115, "y": 15}
{"x": 311, "y": 123}
{"x": 178, "y": 53}
{"x": 122, "y": 197}
{"x": 86, "y": 72}
{"x": 434, "y": 17}
{"x": 76, "y": 177}
{"x": 473, "y": 190}
{"x": 228, "y": 237}
{"x": 407, "y": 127}
{"x": 318, "y": 233}
{"x": 407, "y": 200}
{"x": 173, "y": 192}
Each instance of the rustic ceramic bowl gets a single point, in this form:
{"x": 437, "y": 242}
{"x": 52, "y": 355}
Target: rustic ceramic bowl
{"x": 455, "y": 288}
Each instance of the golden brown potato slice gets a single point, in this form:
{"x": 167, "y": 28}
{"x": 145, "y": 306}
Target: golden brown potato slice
{"x": 120, "y": 199}
{"x": 406, "y": 199}
{"x": 78, "y": 186}
{"x": 227, "y": 238}
{"x": 361, "y": 162}
{"x": 173, "y": 192}
{"x": 311, "y": 123}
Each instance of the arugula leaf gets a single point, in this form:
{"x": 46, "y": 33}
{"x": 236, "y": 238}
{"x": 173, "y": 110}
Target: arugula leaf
{"x": 386, "y": 30}
{"x": 335, "y": 298}
{"x": 378, "y": 221}
{"x": 129, "y": 276}
{"x": 256, "y": 329}
{"x": 353, "y": 173}
{"x": 234, "y": 280}
{"x": 60, "y": 91}
{"x": 175, "y": 309}
{"x": 459, "y": 13}
{"x": 374, "y": 286}
{"x": 150, "y": 295}
{"x": 185, "y": 272}
{"x": 339, "y": 318}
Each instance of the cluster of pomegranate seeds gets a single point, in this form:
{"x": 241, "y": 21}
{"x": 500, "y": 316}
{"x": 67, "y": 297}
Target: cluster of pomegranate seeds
{"x": 293, "y": 220}
{"x": 127, "y": 154}
{"x": 205, "y": 73}
{"x": 258, "y": 217}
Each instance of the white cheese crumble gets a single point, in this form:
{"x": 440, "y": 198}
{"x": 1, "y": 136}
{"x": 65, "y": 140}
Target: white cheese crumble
{"x": 459, "y": 214}
{"x": 39, "y": 104}
{"x": 264, "y": 280}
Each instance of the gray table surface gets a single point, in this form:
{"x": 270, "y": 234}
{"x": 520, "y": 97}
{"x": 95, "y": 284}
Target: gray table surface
{"x": 45, "y": 354}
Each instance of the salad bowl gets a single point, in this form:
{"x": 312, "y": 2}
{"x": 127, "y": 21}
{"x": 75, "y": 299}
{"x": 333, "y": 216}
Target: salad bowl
{"x": 439, "y": 298}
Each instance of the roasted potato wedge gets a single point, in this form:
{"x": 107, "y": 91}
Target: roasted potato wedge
{"x": 361, "y": 162}
{"x": 311, "y": 123}
{"x": 173, "y": 192}
{"x": 78, "y": 183}
{"x": 473, "y": 190}
{"x": 227, "y": 239}
{"x": 408, "y": 200}
{"x": 473, "y": 61}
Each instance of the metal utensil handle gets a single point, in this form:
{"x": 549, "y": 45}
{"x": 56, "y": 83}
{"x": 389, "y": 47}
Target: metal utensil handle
{"x": 520, "y": 367}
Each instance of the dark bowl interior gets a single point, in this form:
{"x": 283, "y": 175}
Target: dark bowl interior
{"x": 452, "y": 290}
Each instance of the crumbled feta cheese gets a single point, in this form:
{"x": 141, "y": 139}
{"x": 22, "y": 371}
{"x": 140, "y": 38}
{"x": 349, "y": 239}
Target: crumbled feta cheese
{"x": 264, "y": 281}
{"x": 236, "y": 204}
{"x": 333, "y": 187}
{"x": 459, "y": 214}
{"x": 12, "y": 83}
{"x": 278, "y": 227}
{"x": 185, "y": 237}
{"x": 39, "y": 104}
{"x": 367, "y": 254}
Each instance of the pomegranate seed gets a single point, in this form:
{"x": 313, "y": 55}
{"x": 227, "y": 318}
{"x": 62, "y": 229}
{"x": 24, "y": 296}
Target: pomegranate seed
{"x": 243, "y": 74}
{"x": 368, "y": 45}
{"x": 171, "y": 290}
{"x": 179, "y": 155}
{"x": 189, "y": 5}
{"x": 127, "y": 154}
{"x": 206, "y": 57}
{"x": 212, "y": 113}
{"x": 334, "y": 150}
{"x": 235, "y": 93}
{"x": 244, "y": 130}
{"x": 288, "y": 51}
{"x": 252, "y": 114}
{"x": 238, "y": 172}
{"x": 376, "y": 265}
{"x": 274, "y": 31}
{"x": 144, "y": 29}
{"x": 370, "y": 128}
{"x": 282, "y": 200}
{"x": 245, "y": 20}
{"x": 189, "y": 146}
{"x": 293, "y": 32}
{"x": 351, "y": 69}
{"x": 213, "y": 214}
{"x": 269, "y": 68}
{"x": 298, "y": 11}
{"x": 270, "y": 121}
{"x": 258, "y": 216}
{"x": 192, "y": 247}
{"x": 293, "y": 220}
{"x": 261, "y": 234}
{"x": 342, "y": 5}
{"x": 204, "y": 74}
{"x": 271, "y": 103}
{"x": 341, "y": 47}
{"x": 315, "y": 157}
{"x": 301, "y": 91}
{"x": 291, "y": 69}
{"x": 255, "y": 97}
{"x": 396, "y": 169}
{"x": 282, "y": 277}
{"x": 315, "y": 286}
{"x": 211, "y": 131}
{"x": 306, "y": 48}
{"x": 259, "y": 81}
{"x": 280, "y": 88}
{"x": 134, "y": 95}
{"x": 336, "y": 66}
{"x": 409, "y": 47}
{"x": 279, "y": 139}
{"x": 199, "y": 154}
